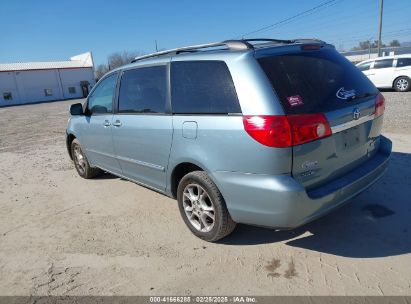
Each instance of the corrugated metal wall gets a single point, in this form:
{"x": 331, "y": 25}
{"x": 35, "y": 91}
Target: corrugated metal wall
{"x": 19, "y": 87}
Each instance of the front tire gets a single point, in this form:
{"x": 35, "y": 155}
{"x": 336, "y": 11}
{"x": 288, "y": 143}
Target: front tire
{"x": 203, "y": 208}
{"x": 81, "y": 163}
{"x": 402, "y": 84}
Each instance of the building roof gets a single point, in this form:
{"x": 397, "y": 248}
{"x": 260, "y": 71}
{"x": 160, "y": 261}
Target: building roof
{"x": 80, "y": 61}
{"x": 387, "y": 57}
{"x": 395, "y": 50}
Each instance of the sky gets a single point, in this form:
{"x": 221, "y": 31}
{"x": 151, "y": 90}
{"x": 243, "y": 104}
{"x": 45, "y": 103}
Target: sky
{"x": 58, "y": 29}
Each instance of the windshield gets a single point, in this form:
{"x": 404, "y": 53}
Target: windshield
{"x": 316, "y": 81}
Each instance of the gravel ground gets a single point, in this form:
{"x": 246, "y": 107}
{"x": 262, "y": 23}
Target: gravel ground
{"x": 62, "y": 235}
{"x": 398, "y": 112}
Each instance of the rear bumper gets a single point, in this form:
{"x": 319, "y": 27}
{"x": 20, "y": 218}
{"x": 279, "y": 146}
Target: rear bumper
{"x": 279, "y": 201}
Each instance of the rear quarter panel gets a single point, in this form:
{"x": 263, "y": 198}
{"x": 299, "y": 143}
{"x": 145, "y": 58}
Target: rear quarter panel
{"x": 403, "y": 71}
{"x": 219, "y": 143}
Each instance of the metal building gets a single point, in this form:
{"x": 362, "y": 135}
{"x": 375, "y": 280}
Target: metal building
{"x": 29, "y": 82}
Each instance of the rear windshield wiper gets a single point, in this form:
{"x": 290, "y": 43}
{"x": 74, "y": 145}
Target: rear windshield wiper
{"x": 361, "y": 96}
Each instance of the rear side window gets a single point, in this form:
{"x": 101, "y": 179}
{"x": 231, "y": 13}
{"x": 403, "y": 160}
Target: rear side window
{"x": 315, "y": 81}
{"x": 402, "y": 62}
{"x": 202, "y": 87}
{"x": 143, "y": 90}
{"x": 384, "y": 63}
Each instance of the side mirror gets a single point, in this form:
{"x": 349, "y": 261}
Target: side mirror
{"x": 76, "y": 109}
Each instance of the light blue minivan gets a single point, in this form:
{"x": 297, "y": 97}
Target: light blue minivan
{"x": 265, "y": 132}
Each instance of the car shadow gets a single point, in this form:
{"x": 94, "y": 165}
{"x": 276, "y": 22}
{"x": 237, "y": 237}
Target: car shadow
{"x": 107, "y": 175}
{"x": 377, "y": 223}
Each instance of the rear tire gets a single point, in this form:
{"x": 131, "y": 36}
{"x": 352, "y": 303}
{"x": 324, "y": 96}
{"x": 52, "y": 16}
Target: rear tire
{"x": 203, "y": 208}
{"x": 81, "y": 163}
{"x": 402, "y": 84}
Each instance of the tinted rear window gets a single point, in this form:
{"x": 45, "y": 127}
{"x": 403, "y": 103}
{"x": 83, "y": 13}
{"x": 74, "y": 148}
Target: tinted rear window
{"x": 143, "y": 90}
{"x": 382, "y": 64}
{"x": 202, "y": 87}
{"x": 403, "y": 62}
{"x": 309, "y": 82}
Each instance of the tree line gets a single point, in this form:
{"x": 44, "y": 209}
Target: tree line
{"x": 116, "y": 60}
{"x": 367, "y": 44}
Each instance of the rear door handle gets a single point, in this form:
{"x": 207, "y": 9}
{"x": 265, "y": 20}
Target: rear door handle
{"x": 106, "y": 123}
{"x": 117, "y": 123}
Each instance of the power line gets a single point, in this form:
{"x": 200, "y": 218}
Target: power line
{"x": 339, "y": 18}
{"x": 330, "y": 2}
{"x": 358, "y": 38}
{"x": 320, "y": 27}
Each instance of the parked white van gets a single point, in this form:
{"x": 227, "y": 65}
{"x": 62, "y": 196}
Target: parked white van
{"x": 389, "y": 72}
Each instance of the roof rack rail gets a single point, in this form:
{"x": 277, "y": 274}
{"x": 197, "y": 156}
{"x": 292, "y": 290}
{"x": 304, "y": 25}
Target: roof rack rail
{"x": 243, "y": 44}
{"x": 268, "y": 40}
{"x": 231, "y": 44}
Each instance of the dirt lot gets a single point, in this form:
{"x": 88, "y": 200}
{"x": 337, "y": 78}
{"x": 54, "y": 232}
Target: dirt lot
{"x": 60, "y": 234}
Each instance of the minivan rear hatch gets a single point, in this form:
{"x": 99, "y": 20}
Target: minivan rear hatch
{"x": 316, "y": 79}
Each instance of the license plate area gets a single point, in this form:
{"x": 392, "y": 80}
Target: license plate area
{"x": 351, "y": 138}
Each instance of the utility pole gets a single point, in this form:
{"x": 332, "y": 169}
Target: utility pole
{"x": 369, "y": 47}
{"x": 379, "y": 33}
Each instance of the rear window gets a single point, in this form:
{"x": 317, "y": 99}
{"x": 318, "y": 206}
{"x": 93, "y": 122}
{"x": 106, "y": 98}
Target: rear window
{"x": 202, "y": 87}
{"x": 402, "y": 62}
{"x": 143, "y": 90}
{"x": 315, "y": 81}
{"x": 382, "y": 64}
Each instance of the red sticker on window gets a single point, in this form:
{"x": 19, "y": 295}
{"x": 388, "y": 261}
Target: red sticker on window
{"x": 295, "y": 100}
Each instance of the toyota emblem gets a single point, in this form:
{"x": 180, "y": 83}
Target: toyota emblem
{"x": 356, "y": 114}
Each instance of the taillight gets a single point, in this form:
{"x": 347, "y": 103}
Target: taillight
{"x": 308, "y": 127}
{"x": 285, "y": 131}
{"x": 271, "y": 131}
{"x": 379, "y": 105}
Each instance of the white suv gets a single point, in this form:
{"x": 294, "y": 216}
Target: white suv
{"x": 389, "y": 72}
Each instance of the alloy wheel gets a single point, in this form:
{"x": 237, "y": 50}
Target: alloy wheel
{"x": 79, "y": 159}
{"x": 402, "y": 84}
{"x": 198, "y": 207}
